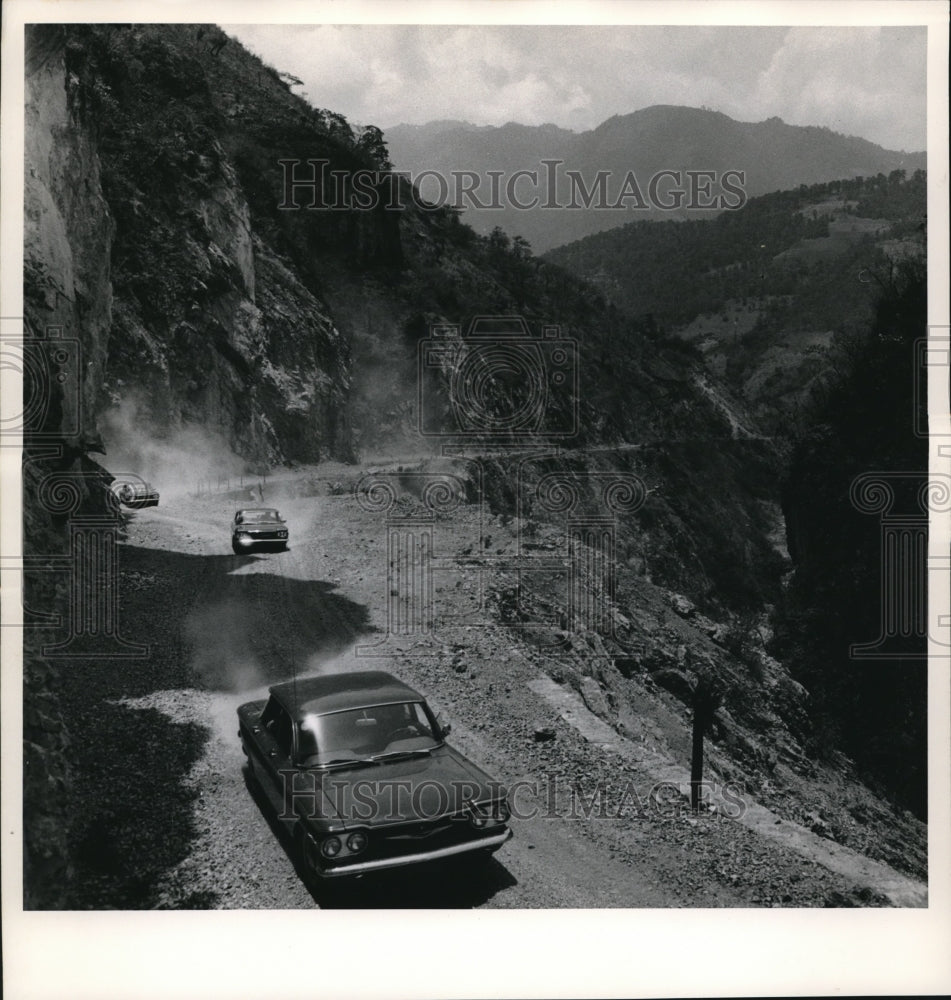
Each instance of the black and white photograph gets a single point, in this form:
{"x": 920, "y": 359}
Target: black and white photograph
{"x": 455, "y": 462}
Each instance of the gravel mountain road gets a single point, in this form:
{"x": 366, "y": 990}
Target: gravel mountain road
{"x": 167, "y": 818}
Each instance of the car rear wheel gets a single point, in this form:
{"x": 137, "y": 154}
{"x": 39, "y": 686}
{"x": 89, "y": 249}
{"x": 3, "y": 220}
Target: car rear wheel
{"x": 236, "y": 548}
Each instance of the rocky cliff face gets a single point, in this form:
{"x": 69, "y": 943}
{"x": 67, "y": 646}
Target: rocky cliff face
{"x": 68, "y": 234}
{"x": 156, "y": 233}
{"x": 212, "y": 325}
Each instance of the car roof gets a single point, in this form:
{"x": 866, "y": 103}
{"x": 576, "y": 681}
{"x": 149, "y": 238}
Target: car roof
{"x": 338, "y": 692}
{"x": 256, "y": 510}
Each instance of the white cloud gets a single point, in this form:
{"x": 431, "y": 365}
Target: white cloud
{"x": 865, "y": 81}
{"x": 862, "y": 81}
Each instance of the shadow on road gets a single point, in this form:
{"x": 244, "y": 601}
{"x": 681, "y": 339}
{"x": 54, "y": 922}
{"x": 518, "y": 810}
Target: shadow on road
{"x": 209, "y": 627}
{"x": 135, "y": 815}
{"x": 456, "y": 884}
{"x": 205, "y": 627}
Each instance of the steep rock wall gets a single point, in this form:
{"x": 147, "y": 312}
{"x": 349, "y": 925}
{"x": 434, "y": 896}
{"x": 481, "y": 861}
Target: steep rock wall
{"x": 67, "y": 300}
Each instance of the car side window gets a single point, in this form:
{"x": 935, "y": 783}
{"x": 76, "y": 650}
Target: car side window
{"x": 269, "y": 713}
{"x": 419, "y": 720}
{"x": 283, "y": 733}
{"x": 278, "y": 723}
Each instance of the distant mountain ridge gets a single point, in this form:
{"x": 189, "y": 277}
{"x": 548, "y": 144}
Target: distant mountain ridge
{"x": 772, "y": 155}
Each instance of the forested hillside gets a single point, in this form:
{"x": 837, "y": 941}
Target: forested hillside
{"x": 765, "y": 292}
{"x": 676, "y": 270}
{"x": 868, "y": 703}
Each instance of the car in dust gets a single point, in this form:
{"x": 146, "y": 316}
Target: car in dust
{"x": 131, "y": 491}
{"x": 257, "y": 527}
{"x": 361, "y": 776}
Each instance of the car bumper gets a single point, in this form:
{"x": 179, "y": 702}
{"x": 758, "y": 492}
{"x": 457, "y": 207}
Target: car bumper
{"x": 490, "y": 843}
{"x": 137, "y": 502}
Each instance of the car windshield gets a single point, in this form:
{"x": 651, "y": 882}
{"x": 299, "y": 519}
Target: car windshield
{"x": 362, "y": 734}
{"x": 257, "y": 516}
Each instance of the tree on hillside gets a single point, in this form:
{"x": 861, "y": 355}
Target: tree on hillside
{"x": 373, "y": 146}
{"x": 873, "y": 710}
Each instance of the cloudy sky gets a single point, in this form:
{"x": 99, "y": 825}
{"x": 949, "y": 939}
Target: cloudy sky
{"x": 865, "y": 81}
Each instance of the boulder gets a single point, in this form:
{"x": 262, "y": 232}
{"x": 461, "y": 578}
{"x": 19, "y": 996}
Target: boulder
{"x": 594, "y": 697}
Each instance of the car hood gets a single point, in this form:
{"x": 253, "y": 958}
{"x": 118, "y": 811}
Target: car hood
{"x": 403, "y": 791}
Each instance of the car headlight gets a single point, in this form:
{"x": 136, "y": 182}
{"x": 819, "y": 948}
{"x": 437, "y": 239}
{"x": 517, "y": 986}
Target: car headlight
{"x": 357, "y": 842}
{"x": 330, "y": 847}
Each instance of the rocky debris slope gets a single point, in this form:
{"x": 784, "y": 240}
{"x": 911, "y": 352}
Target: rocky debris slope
{"x": 636, "y": 666}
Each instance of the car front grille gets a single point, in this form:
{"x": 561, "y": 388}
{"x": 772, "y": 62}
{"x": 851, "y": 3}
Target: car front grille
{"x": 421, "y": 831}
{"x": 410, "y": 838}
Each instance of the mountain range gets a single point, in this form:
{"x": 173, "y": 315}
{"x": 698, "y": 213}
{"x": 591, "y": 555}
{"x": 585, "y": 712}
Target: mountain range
{"x": 770, "y": 155}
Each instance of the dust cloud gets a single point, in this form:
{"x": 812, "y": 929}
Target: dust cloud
{"x": 172, "y": 460}
{"x": 347, "y": 662}
{"x": 220, "y": 644}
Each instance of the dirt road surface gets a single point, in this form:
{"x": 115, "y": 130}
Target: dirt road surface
{"x": 166, "y": 817}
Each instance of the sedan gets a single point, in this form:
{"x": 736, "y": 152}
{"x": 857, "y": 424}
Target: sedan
{"x": 358, "y": 770}
{"x": 258, "y": 526}
{"x": 130, "y": 491}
